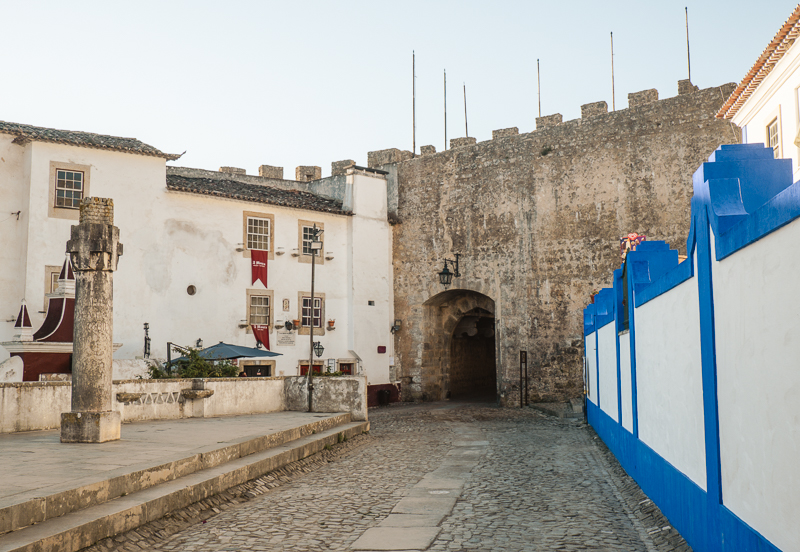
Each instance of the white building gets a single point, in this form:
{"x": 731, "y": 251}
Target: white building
{"x": 766, "y": 104}
{"x": 187, "y": 236}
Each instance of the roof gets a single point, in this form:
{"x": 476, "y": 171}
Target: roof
{"x": 763, "y": 66}
{"x": 28, "y": 133}
{"x": 259, "y": 193}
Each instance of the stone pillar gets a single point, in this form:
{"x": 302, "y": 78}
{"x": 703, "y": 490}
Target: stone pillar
{"x": 95, "y": 250}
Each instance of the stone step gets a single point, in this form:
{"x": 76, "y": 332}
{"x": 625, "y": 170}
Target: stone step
{"x": 82, "y": 528}
{"x": 37, "y": 509}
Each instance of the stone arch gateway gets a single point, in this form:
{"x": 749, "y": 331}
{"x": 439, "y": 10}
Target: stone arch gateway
{"x": 459, "y": 354}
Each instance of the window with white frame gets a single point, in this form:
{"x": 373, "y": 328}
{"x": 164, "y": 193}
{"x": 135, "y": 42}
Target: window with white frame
{"x": 773, "y": 138}
{"x": 69, "y": 188}
{"x": 259, "y": 309}
{"x": 307, "y": 238}
{"x": 258, "y": 233}
{"x": 307, "y": 314}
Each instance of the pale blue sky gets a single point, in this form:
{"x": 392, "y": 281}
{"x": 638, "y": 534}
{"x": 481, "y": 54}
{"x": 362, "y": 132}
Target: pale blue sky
{"x": 306, "y": 83}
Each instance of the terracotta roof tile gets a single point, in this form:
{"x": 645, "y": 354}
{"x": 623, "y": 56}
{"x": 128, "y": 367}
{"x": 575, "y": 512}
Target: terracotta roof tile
{"x": 259, "y": 193}
{"x": 776, "y": 49}
{"x": 28, "y": 133}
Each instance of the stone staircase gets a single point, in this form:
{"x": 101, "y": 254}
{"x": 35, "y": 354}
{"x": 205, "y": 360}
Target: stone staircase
{"x": 69, "y": 519}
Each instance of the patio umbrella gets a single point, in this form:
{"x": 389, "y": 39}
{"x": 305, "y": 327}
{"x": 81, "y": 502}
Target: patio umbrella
{"x": 225, "y": 351}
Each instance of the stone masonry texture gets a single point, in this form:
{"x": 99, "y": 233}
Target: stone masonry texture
{"x": 520, "y": 482}
{"x": 268, "y": 171}
{"x": 636, "y": 99}
{"x": 339, "y": 168}
{"x": 537, "y": 219}
{"x": 232, "y": 170}
{"x": 548, "y": 121}
{"x": 427, "y": 150}
{"x": 460, "y": 142}
{"x": 592, "y": 109}
{"x": 305, "y": 173}
{"x": 503, "y": 132}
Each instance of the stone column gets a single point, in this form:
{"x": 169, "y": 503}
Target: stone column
{"x": 95, "y": 250}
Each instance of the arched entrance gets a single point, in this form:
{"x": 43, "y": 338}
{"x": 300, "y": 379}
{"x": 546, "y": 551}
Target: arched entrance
{"x": 459, "y": 350}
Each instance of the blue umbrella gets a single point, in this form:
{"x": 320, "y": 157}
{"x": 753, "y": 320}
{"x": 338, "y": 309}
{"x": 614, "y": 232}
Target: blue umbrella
{"x": 224, "y": 351}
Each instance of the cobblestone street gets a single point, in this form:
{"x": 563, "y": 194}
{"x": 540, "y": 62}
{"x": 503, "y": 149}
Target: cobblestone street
{"x": 446, "y": 477}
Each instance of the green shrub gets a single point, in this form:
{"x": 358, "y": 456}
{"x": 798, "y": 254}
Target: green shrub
{"x": 195, "y": 366}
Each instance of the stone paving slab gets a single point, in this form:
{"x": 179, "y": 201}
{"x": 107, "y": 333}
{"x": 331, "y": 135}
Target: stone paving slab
{"x": 396, "y": 538}
{"x": 542, "y": 484}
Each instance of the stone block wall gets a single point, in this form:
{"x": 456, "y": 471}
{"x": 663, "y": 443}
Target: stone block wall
{"x": 97, "y": 210}
{"x": 461, "y": 142}
{"x": 268, "y": 171}
{"x": 635, "y": 99}
{"x": 504, "y": 132}
{"x": 339, "y": 168}
{"x": 537, "y": 219}
{"x": 306, "y": 173}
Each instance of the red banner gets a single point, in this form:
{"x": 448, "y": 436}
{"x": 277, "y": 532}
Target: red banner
{"x": 629, "y": 243}
{"x": 258, "y": 260}
{"x": 261, "y": 331}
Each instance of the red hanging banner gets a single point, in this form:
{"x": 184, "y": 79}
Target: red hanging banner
{"x": 258, "y": 260}
{"x": 261, "y": 331}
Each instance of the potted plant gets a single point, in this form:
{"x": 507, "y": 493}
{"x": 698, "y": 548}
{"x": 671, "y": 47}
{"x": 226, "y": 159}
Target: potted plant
{"x": 332, "y": 324}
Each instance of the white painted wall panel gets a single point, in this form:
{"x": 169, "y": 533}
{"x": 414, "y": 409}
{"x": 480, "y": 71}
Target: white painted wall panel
{"x": 607, "y": 348}
{"x": 669, "y": 379}
{"x": 625, "y": 380}
{"x": 757, "y": 306}
{"x": 591, "y": 363}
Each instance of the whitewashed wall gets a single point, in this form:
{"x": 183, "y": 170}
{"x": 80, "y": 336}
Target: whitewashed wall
{"x": 775, "y": 97}
{"x": 625, "y": 380}
{"x": 669, "y": 379}
{"x": 607, "y": 355}
{"x": 757, "y": 307}
{"x": 173, "y": 240}
{"x": 591, "y": 364}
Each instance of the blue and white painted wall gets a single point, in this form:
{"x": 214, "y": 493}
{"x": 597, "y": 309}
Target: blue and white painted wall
{"x": 694, "y": 366}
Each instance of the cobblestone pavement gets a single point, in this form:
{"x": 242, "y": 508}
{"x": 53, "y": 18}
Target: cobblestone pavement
{"x": 530, "y": 482}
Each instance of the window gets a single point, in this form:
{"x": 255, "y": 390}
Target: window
{"x": 258, "y": 368}
{"x": 51, "y": 273}
{"x": 773, "y": 138}
{"x": 259, "y": 309}
{"x": 69, "y": 184}
{"x": 305, "y": 313}
{"x": 304, "y": 236}
{"x": 308, "y": 237}
{"x": 306, "y": 316}
{"x": 258, "y": 232}
{"x": 304, "y": 368}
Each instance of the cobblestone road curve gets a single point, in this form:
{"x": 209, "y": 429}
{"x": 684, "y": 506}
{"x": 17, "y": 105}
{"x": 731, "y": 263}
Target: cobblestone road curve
{"x": 530, "y": 483}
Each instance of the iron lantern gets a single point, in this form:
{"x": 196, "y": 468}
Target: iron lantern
{"x": 318, "y": 348}
{"x": 446, "y": 276}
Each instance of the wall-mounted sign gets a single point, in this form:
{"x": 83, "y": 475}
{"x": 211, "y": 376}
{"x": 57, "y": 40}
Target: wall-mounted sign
{"x": 285, "y": 305}
{"x": 285, "y": 337}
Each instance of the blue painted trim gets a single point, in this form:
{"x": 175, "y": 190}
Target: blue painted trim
{"x": 708, "y": 357}
{"x": 672, "y": 279}
{"x": 632, "y": 343}
{"x": 707, "y": 527}
{"x": 617, "y": 306}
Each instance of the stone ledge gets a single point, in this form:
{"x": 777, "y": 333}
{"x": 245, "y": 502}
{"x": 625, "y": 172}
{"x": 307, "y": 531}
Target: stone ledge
{"x": 82, "y": 529}
{"x": 129, "y": 397}
{"x": 192, "y": 394}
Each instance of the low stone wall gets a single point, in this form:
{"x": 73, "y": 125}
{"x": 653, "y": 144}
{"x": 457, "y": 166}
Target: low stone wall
{"x": 331, "y": 394}
{"x": 34, "y": 406}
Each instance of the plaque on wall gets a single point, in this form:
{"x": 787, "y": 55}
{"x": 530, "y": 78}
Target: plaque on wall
{"x": 285, "y": 305}
{"x": 285, "y": 338}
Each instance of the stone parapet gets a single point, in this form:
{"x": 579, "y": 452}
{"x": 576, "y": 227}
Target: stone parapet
{"x": 383, "y": 157}
{"x": 339, "y": 168}
{"x": 548, "y": 121}
{"x": 635, "y": 99}
{"x": 685, "y": 86}
{"x": 461, "y": 142}
{"x": 427, "y": 150}
{"x": 504, "y": 132}
{"x": 594, "y": 109}
{"x": 232, "y": 170}
{"x": 268, "y": 171}
{"x": 307, "y": 173}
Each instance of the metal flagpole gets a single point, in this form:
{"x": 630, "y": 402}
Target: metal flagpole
{"x": 688, "y": 58}
{"x": 445, "y": 109}
{"x": 466, "y": 126}
{"x": 414, "y": 102}
{"x": 613, "y": 102}
{"x": 539, "y": 86}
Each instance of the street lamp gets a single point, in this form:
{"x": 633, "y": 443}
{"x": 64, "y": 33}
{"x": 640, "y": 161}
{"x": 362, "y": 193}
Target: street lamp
{"x": 316, "y": 247}
{"x": 445, "y": 276}
{"x": 318, "y": 348}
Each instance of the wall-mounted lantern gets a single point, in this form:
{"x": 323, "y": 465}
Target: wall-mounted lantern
{"x": 445, "y": 276}
{"x": 396, "y": 326}
{"x": 318, "y": 349}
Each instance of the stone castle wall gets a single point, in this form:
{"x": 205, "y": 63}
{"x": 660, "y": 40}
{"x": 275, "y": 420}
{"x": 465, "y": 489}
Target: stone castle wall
{"x": 538, "y": 218}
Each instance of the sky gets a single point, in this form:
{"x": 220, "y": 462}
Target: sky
{"x": 245, "y": 83}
